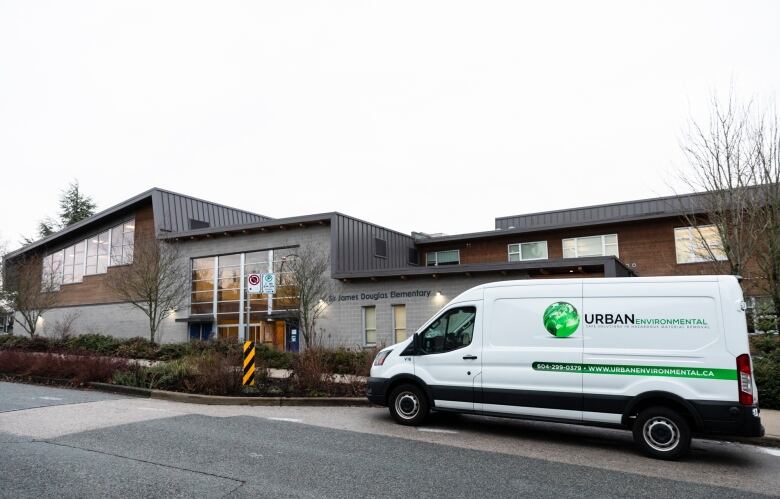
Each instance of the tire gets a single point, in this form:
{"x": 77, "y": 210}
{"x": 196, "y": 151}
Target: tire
{"x": 662, "y": 433}
{"x": 408, "y": 405}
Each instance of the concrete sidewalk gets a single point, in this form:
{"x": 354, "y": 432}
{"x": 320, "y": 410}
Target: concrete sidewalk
{"x": 771, "y": 421}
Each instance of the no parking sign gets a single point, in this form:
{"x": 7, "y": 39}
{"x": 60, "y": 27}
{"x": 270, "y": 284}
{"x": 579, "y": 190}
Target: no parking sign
{"x": 253, "y": 282}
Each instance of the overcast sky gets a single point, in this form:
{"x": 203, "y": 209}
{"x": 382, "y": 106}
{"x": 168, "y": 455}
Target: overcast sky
{"x": 418, "y": 115}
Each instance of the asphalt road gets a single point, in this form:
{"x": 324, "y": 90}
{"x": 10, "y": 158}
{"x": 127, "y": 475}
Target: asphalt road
{"x": 70, "y": 443}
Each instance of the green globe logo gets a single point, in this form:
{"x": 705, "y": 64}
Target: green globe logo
{"x": 561, "y": 319}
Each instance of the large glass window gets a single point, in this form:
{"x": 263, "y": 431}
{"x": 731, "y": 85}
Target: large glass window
{"x": 369, "y": 325}
{"x": 399, "y": 322}
{"x": 453, "y": 330}
{"x": 448, "y": 257}
{"x": 95, "y": 254}
{"x": 698, "y": 244}
{"x": 225, "y": 277}
{"x": 578, "y": 247}
{"x": 122, "y": 237}
{"x": 528, "y": 251}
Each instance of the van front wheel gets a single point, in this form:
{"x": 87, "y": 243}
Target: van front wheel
{"x": 662, "y": 433}
{"x": 408, "y": 405}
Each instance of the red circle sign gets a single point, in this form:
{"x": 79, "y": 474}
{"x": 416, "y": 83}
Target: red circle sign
{"x": 254, "y": 279}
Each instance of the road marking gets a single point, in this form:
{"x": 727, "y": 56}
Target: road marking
{"x": 289, "y": 420}
{"x": 152, "y": 409}
{"x": 436, "y": 430}
{"x": 774, "y": 452}
{"x": 50, "y": 398}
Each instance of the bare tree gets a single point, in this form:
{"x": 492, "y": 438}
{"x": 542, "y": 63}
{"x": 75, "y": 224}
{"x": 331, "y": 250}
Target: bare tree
{"x": 734, "y": 162}
{"x": 721, "y": 162}
{"x": 309, "y": 276}
{"x": 29, "y": 290}
{"x": 766, "y": 141}
{"x": 157, "y": 281}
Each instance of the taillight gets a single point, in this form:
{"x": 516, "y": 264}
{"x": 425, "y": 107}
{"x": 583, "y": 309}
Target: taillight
{"x": 745, "y": 380}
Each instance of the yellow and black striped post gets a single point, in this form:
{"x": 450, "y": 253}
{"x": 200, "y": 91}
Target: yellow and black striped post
{"x": 249, "y": 363}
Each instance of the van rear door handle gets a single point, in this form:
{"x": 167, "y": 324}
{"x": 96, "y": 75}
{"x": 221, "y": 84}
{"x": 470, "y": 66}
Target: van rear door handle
{"x": 469, "y": 357}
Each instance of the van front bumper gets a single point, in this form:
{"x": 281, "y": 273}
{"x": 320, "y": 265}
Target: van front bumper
{"x": 730, "y": 419}
{"x": 376, "y": 390}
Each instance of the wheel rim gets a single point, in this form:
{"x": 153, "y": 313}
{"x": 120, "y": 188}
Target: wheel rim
{"x": 662, "y": 434}
{"x": 407, "y": 405}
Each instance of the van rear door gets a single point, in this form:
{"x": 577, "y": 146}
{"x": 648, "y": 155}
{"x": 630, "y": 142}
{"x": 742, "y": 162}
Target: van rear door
{"x": 652, "y": 336}
{"x": 532, "y": 350}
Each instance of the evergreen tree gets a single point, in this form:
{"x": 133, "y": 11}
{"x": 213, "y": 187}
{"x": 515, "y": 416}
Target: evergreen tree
{"x": 75, "y": 206}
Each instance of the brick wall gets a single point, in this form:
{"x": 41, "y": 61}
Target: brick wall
{"x": 647, "y": 247}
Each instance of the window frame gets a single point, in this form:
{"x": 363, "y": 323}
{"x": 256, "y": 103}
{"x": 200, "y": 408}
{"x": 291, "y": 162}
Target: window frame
{"x": 419, "y": 340}
{"x": 394, "y": 307}
{"x": 436, "y": 257}
{"x": 695, "y": 232}
{"x": 520, "y": 251}
{"x": 603, "y": 246}
{"x": 363, "y": 310}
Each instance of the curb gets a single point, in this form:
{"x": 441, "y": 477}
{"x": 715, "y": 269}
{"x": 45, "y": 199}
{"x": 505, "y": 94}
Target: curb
{"x": 194, "y": 398}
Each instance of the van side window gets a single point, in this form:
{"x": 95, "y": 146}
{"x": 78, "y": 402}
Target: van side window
{"x": 451, "y": 331}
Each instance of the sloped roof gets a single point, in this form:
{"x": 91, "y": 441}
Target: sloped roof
{"x": 172, "y": 214}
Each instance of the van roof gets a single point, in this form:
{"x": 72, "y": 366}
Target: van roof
{"x": 472, "y": 292}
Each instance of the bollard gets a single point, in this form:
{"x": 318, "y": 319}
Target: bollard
{"x": 249, "y": 363}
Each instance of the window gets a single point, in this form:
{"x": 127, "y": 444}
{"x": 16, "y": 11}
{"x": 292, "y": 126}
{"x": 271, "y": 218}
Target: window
{"x": 578, "y": 247}
{"x": 528, "y": 251}
{"x": 380, "y": 247}
{"x": 414, "y": 256}
{"x": 51, "y": 274}
{"x": 448, "y": 257}
{"x": 92, "y": 255}
{"x": 122, "y": 243}
{"x": 399, "y": 322}
{"x": 369, "y": 325}
{"x": 702, "y": 244}
{"x": 453, "y": 330}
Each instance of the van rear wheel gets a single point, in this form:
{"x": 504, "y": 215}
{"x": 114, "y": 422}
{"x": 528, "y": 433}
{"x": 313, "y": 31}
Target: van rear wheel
{"x": 662, "y": 433}
{"x": 408, "y": 405}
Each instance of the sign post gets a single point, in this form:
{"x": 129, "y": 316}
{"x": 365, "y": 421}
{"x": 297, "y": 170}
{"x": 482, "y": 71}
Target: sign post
{"x": 249, "y": 364}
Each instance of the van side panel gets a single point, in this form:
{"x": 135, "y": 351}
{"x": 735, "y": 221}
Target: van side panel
{"x": 644, "y": 337}
{"x": 517, "y": 339}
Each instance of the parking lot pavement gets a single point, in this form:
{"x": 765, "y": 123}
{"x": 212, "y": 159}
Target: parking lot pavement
{"x": 17, "y": 396}
{"x": 348, "y": 452}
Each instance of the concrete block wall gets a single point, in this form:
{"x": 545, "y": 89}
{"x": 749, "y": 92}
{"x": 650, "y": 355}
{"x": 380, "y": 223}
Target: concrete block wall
{"x": 342, "y": 322}
{"x": 120, "y": 320}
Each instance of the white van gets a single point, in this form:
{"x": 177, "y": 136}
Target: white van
{"x": 666, "y": 357}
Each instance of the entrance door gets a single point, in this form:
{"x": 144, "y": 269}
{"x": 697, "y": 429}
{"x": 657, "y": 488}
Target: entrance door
{"x": 450, "y": 356}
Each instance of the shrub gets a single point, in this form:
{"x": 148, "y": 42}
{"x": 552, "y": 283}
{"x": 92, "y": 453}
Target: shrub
{"x": 77, "y": 370}
{"x": 214, "y": 374}
{"x": 209, "y": 373}
{"x": 343, "y": 361}
{"x": 13, "y": 342}
{"x": 273, "y": 358}
{"x": 310, "y": 372}
{"x": 136, "y": 348}
{"x": 99, "y": 343}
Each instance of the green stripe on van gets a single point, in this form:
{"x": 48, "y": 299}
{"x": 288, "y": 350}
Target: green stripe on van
{"x": 667, "y": 371}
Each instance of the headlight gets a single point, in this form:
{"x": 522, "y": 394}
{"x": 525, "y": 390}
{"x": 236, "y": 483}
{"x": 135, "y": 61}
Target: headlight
{"x": 381, "y": 356}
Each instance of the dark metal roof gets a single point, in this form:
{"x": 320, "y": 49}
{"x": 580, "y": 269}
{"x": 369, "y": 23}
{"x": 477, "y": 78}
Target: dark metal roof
{"x": 628, "y": 211}
{"x": 271, "y": 223}
{"x": 172, "y": 212}
{"x": 609, "y": 264}
{"x": 642, "y": 209}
